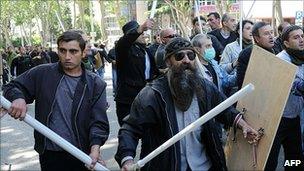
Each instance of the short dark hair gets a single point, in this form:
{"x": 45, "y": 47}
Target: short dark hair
{"x": 244, "y": 22}
{"x": 257, "y": 26}
{"x": 196, "y": 20}
{"x": 215, "y": 14}
{"x": 71, "y": 35}
{"x": 287, "y": 30}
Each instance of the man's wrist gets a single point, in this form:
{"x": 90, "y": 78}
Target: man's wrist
{"x": 125, "y": 159}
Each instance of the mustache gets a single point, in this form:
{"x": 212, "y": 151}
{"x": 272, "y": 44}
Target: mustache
{"x": 184, "y": 81}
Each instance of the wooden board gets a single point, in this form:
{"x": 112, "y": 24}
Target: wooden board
{"x": 272, "y": 78}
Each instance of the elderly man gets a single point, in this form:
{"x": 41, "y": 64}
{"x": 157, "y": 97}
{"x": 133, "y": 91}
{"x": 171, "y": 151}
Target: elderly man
{"x": 226, "y": 34}
{"x": 169, "y": 104}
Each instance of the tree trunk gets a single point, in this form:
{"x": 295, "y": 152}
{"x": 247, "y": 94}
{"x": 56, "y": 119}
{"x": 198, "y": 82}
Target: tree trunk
{"x": 104, "y": 35}
{"x": 81, "y": 14}
{"x": 74, "y": 17}
{"x": 6, "y": 32}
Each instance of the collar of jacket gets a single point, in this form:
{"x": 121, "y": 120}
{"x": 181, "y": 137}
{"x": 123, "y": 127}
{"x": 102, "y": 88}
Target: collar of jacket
{"x": 82, "y": 77}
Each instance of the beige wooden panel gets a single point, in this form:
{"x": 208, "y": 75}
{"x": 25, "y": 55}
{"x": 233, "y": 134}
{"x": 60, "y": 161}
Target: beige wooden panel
{"x": 272, "y": 78}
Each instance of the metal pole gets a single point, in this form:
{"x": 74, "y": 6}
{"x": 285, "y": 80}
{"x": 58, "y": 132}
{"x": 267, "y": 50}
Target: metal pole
{"x": 205, "y": 118}
{"x": 54, "y": 137}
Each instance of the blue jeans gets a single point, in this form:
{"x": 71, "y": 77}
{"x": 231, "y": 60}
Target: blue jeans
{"x": 114, "y": 80}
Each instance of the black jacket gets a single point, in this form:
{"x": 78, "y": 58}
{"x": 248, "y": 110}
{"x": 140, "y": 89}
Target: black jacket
{"x": 223, "y": 41}
{"x": 130, "y": 62}
{"x": 243, "y": 61}
{"x": 153, "y": 120}
{"x": 90, "y": 122}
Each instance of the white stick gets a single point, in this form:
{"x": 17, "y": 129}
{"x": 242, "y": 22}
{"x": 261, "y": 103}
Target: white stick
{"x": 209, "y": 115}
{"x": 152, "y": 15}
{"x": 153, "y": 9}
{"x": 54, "y": 137}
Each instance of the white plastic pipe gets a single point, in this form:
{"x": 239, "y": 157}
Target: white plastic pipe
{"x": 205, "y": 118}
{"x": 54, "y": 137}
{"x": 153, "y": 9}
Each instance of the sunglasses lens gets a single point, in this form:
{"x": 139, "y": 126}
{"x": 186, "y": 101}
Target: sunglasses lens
{"x": 180, "y": 56}
{"x": 170, "y": 36}
{"x": 191, "y": 56}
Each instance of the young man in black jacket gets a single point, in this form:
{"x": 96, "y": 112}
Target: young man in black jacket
{"x": 69, "y": 100}
{"x": 135, "y": 65}
{"x": 169, "y": 104}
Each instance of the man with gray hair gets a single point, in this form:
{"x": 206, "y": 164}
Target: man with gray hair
{"x": 226, "y": 34}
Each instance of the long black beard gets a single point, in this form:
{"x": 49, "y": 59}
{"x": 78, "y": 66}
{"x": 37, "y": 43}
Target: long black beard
{"x": 184, "y": 81}
{"x": 297, "y": 56}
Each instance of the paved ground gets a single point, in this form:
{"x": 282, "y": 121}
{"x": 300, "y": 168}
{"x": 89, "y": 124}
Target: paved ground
{"x": 17, "y": 140}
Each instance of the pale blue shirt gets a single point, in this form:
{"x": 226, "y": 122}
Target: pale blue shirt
{"x": 193, "y": 152}
{"x": 148, "y": 66}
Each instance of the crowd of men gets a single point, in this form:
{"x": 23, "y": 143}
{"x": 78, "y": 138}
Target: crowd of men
{"x": 159, "y": 90}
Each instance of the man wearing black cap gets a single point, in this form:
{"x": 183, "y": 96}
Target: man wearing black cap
{"x": 135, "y": 65}
{"x": 289, "y": 132}
{"x": 169, "y": 104}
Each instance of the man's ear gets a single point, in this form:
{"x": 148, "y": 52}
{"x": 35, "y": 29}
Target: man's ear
{"x": 286, "y": 43}
{"x": 168, "y": 62}
{"x": 84, "y": 53}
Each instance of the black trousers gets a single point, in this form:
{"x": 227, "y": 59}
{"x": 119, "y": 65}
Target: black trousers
{"x": 60, "y": 161}
{"x": 122, "y": 110}
{"x": 288, "y": 135}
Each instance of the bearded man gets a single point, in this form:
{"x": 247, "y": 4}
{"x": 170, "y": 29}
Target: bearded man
{"x": 166, "y": 106}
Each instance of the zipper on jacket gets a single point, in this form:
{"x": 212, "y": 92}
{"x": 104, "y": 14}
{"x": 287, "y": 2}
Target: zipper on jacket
{"x": 75, "y": 121}
{"x": 171, "y": 130}
{"x": 48, "y": 117}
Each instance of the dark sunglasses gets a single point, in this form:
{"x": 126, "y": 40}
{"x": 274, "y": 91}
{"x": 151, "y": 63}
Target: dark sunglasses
{"x": 180, "y": 55}
{"x": 171, "y": 36}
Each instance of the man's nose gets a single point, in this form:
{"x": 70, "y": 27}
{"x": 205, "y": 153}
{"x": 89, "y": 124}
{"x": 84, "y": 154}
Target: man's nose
{"x": 68, "y": 55}
{"x": 186, "y": 59}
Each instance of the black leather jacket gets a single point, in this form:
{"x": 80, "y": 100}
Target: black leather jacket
{"x": 90, "y": 122}
{"x": 153, "y": 120}
{"x": 130, "y": 62}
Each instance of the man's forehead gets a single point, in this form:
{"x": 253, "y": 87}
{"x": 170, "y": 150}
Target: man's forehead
{"x": 296, "y": 32}
{"x": 71, "y": 44}
{"x": 184, "y": 51}
{"x": 266, "y": 28}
